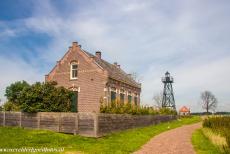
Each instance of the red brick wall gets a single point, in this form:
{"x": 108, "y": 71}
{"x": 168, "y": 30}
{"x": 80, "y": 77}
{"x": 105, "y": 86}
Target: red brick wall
{"x": 91, "y": 78}
{"x": 118, "y": 85}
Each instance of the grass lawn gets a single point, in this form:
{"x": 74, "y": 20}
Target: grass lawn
{"x": 202, "y": 144}
{"x": 121, "y": 142}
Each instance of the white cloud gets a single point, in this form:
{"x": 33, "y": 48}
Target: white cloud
{"x": 188, "y": 38}
{"x": 14, "y": 69}
{"x": 190, "y": 80}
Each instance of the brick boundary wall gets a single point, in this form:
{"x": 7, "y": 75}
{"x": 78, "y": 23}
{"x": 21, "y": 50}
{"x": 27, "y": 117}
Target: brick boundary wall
{"x": 83, "y": 123}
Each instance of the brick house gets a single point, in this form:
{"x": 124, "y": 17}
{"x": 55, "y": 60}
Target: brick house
{"x": 93, "y": 79}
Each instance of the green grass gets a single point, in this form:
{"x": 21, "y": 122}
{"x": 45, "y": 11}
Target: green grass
{"x": 121, "y": 142}
{"x": 203, "y": 145}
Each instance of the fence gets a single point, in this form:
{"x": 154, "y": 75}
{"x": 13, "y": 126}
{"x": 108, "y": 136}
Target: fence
{"x": 85, "y": 124}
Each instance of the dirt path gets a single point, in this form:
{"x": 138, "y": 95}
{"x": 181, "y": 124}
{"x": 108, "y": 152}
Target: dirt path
{"x": 175, "y": 141}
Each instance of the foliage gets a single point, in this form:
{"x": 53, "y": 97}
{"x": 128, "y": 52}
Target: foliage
{"x": 215, "y": 138}
{"x": 219, "y": 125}
{"x": 13, "y": 137}
{"x": 14, "y": 90}
{"x": 9, "y": 106}
{"x": 38, "y": 97}
{"x": 126, "y": 108}
{"x": 45, "y": 97}
{"x": 167, "y": 111}
{"x": 1, "y": 108}
{"x": 202, "y": 145}
{"x": 209, "y": 101}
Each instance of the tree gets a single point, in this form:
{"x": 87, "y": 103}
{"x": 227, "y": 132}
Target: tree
{"x": 9, "y": 106}
{"x": 38, "y": 97}
{"x": 14, "y": 90}
{"x": 1, "y": 107}
{"x": 45, "y": 97}
{"x": 209, "y": 101}
{"x": 158, "y": 99}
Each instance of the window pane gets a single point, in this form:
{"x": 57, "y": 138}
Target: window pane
{"x": 135, "y": 100}
{"x": 129, "y": 98}
{"x": 113, "y": 96}
{"x": 122, "y": 98}
{"x": 74, "y": 66}
{"x": 74, "y": 73}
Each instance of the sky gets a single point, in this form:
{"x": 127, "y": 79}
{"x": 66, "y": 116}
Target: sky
{"x": 188, "y": 38}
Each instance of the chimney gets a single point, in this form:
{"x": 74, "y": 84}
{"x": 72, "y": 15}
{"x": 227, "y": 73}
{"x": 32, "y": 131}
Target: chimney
{"x": 98, "y": 54}
{"x": 117, "y": 65}
{"x": 74, "y": 44}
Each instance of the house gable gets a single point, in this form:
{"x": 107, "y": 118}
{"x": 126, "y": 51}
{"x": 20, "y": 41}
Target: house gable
{"x": 73, "y": 53}
{"x": 90, "y": 81}
{"x": 93, "y": 79}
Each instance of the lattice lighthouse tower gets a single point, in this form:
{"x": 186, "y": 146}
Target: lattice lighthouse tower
{"x": 168, "y": 100}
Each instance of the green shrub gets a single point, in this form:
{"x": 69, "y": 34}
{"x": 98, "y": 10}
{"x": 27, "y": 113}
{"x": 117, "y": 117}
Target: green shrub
{"x": 219, "y": 125}
{"x": 14, "y": 90}
{"x": 38, "y": 97}
{"x": 45, "y": 97}
{"x": 167, "y": 111}
{"x": 9, "y": 106}
{"x": 119, "y": 108}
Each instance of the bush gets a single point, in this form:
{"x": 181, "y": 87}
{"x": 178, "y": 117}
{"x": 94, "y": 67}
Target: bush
{"x": 14, "y": 90}
{"x": 38, "y": 97}
{"x": 10, "y": 106}
{"x": 45, "y": 97}
{"x": 118, "y": 108}
{"x": 219, "y": 125}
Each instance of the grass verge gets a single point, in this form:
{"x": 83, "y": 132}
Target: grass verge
{"x": 203, "y": 145}
{"x": 121, "y": 142}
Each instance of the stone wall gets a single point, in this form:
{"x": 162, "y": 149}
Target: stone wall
{"x": 85, "y": 124}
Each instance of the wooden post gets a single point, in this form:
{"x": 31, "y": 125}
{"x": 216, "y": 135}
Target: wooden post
{"x": 76, "y": 124}
{"x": 95, "y": 124}
{"x": 4, "y": 118}
{"x": 20, "y": 119}
{"x": 39, "y": 119}
{"x": 59, "y": 122}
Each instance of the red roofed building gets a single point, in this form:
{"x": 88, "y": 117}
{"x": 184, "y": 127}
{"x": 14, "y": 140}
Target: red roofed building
{"x": 184, "y": 111}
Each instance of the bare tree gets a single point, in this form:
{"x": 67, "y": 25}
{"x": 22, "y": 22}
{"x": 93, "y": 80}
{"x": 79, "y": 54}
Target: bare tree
{"x": 158, "y": 99}
{"x": 209, "y": 101}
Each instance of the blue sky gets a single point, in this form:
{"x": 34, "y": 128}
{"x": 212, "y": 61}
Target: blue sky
{"x": 188, "y": 38}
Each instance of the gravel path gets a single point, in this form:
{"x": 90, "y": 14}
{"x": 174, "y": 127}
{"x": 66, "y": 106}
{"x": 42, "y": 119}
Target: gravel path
{"x": 175, "y": 141}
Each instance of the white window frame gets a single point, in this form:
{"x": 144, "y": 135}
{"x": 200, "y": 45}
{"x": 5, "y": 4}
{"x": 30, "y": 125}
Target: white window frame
{"x": 71, "y": 70}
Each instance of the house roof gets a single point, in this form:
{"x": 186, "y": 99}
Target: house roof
{"x": 114, "y": 71}
{"x": 184, "y": 109}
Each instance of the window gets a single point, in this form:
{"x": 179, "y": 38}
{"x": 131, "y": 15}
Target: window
{"x": 113, "y": 94}
{"x": 73, "y": 70}
{"x": 129, "y": 97}
{"x": 135, "y": 99}
{"x": 122, "y": 97}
